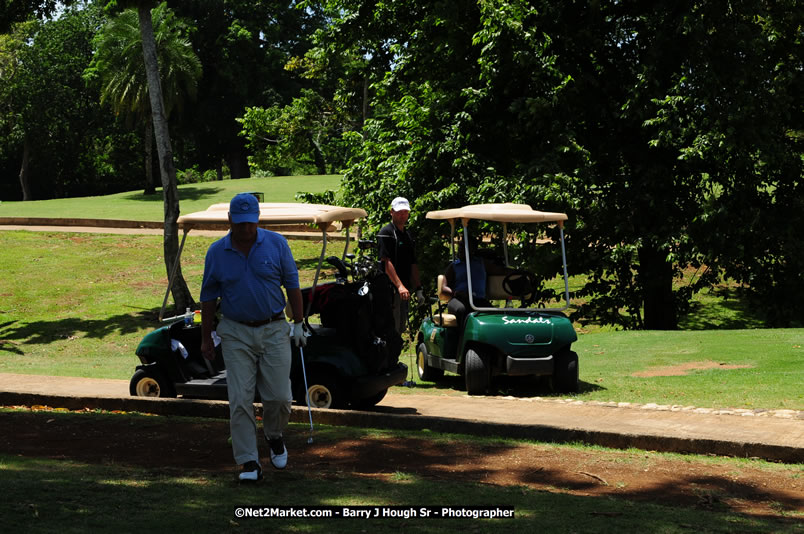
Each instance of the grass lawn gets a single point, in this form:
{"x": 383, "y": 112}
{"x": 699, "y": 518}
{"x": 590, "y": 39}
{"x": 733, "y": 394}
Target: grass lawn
{"x": 135, "y": 206}
{"x": 47, "y": 496}
{"x": 78, "y": 304}
{"x": 118, "y": 494}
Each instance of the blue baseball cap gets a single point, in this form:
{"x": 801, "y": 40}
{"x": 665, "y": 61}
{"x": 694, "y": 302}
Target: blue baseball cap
{"x": 244, "y": 208}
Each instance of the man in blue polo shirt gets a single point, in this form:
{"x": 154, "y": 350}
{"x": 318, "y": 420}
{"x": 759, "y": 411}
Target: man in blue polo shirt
{"x": 245, "y": 270}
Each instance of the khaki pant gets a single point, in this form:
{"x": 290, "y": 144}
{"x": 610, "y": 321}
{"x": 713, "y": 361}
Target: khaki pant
{"x": 257, "y": 360}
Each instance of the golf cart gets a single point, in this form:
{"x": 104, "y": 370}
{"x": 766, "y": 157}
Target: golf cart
{"x": 500, "y": 339}
{"x": 352, "y": 352}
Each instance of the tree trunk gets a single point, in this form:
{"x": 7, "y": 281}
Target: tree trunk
{"x": 150, "y": 186}
{"x": 318, "y": 156}
{"x": 181, "y": 294}
{"x": 25, "y": 176}
{"x": 656, "y": 277}
{"x": 237, "y": 160}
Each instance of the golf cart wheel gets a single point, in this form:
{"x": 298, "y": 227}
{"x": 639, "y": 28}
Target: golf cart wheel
{"x": 565, "y": 372}
{"x": 370, "y": 402}
{"x": 324, "y": 392}
{"x": 425, "y": 372}
{"x": 150, "y": 383}
{"x": 476, "y": 373}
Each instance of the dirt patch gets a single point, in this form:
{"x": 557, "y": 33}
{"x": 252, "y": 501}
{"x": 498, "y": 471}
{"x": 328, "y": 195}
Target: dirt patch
{"x": 684, "y": 368}
{"x": 747, "y": 489}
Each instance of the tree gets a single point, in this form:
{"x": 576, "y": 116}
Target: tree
{"x": 682, "y": 114}
{"x": 181, "y": 294}
{"x": 301, "y": 138}
{"x": 733, "y": 116}
{"x": 118, "y": 63}
{"x": 53, "y": 124}
{"x": 244, "y": 46}
{"x": 15, "y": 11}
{"x": 74, "y": 146}
{"x": 167, "y": 170}
{"x": 596, "y": 109}
{"x": 446, "y": 126}
{"x": 11, "y": 48}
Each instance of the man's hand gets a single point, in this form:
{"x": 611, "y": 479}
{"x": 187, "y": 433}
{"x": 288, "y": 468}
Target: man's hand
{"x": 208, "y": 349}
{"x": 404, "y": 294}
{"x": 297, "y": 333}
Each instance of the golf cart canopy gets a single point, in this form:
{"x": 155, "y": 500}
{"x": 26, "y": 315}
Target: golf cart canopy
{"x": 506, "y": 213}
{"x": 271, "y": 214}
{"x": 276, "y": 213}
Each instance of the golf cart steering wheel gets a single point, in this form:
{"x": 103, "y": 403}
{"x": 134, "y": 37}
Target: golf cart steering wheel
{"x": 521, "y": 284}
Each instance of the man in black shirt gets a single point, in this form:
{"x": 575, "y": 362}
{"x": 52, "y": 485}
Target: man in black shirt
{"x": 398, "y": 256}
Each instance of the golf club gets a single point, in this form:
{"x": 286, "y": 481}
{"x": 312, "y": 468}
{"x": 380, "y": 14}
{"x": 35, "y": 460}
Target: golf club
{"x": 307, "y": 395}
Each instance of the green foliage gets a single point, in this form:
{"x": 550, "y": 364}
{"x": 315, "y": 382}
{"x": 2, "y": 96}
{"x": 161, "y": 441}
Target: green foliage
{"x": 328, "y": 197}
{"x": 617, "y": 115}
{"x": 119, "y": 67}
{"x": 16, "y": 11}
{"x": 73, "y": 145}
{"x": 302, "y": 136}
{"x": 118, "y": 70}
{"x": 244, "y": 46}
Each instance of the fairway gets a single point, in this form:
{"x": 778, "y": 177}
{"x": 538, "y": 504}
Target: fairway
{"x": 78, "y": 304}
{"x": 134, "y": 206}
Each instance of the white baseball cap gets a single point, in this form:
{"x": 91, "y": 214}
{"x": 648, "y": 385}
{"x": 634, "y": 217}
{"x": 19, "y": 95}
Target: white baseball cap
{"x": 400, "y": 204}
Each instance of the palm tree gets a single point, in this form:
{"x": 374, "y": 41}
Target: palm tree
{"x": 118, "y": 63}
{"x": 181, "y": 70}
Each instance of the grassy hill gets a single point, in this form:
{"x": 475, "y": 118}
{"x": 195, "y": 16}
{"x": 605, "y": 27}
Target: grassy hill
{"x": 134, "y": 206}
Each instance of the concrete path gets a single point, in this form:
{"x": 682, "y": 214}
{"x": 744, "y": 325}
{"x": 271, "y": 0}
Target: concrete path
{"x": 772, "y": 435}
{"x": 103, "y": 226}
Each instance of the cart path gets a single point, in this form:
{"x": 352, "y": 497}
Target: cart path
{"x": 775, "y": 435}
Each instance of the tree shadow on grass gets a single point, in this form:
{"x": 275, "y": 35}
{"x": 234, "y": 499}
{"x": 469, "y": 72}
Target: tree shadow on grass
{"x": 190, "y": 192}
{"x": 184, "y": 476}
{"x": 732, "y": 311}
{"x": 16, "y": 333}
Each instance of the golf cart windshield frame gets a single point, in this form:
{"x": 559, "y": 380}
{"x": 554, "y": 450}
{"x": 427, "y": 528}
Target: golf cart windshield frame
{"x": 502, "y": 213}
{"x": 272, "y": 214}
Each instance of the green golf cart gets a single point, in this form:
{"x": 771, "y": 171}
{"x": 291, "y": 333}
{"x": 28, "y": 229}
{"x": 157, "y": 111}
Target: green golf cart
{"x": 513, "y": 336}
{"x": 352, "y": 354}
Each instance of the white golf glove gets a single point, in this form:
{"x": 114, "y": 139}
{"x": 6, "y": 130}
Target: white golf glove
{"x": 297, "y": 333}
{"x": 420, "y": 296}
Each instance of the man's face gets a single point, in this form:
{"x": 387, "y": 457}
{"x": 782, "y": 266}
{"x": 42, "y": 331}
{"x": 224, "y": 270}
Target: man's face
{"x": 400, "y": 218}
{"x": 244, "y": 232}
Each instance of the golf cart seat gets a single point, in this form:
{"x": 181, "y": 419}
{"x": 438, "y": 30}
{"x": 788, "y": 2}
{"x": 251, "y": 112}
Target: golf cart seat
{"x": 444, "y": 319}
{"x": 496, "y": 291}
{"x": 494, "y": 288}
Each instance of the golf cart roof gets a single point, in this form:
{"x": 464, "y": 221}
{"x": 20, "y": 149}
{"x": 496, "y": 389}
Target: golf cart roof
{"x": 276, "y": 213}
{"x": 508, "y": 212}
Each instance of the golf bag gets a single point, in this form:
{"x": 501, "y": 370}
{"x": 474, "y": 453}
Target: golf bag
{"x": 362, "y": 319}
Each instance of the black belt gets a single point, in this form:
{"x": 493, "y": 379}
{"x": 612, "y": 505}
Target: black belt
{"x": 277, "y": 317}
